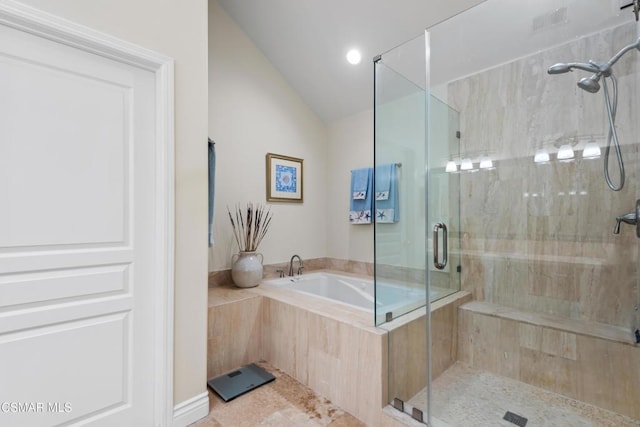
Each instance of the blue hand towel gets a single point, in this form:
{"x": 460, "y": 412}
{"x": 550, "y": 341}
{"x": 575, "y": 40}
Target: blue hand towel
{"x": 212, "y": 186}
{"x": 387, "y": 210}
{"x": 360, "y": 209}
{"x": 359, "y": 183}
{"x": 383, "y": 181}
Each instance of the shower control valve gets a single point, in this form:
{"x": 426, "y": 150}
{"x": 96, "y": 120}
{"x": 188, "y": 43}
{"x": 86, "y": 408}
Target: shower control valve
{"x": 632, "y": 218}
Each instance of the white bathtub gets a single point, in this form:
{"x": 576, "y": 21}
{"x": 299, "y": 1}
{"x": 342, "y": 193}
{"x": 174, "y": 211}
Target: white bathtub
{"x": 356, "y": 292}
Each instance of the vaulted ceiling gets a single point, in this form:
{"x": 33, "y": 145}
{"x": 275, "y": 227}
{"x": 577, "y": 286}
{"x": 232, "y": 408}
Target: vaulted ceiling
{"x": 307, "y": 40}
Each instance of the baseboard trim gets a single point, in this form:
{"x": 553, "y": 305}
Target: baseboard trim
{"x": 191, "y": 410}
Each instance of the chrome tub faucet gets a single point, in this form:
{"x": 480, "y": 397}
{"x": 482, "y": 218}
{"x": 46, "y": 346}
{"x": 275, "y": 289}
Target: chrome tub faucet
{"x": 300, "y": 266}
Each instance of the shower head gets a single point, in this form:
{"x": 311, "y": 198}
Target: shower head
{"x": 590, "y": 84}
{"x": 559, "y": 68}
{"x": 562, "y": 68}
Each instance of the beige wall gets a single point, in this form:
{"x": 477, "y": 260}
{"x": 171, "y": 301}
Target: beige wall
{"x": 254, "y": 111}
{"x": 350, "y": 147}
{"x": 177, "y": 29}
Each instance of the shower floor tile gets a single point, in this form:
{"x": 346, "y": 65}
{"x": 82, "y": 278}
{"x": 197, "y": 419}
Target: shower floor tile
{"x": 463, "y": 397}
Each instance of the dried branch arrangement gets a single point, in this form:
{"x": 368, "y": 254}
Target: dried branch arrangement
{"x": 250, "y": 225}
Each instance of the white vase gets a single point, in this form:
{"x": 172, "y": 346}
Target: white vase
{"x": 246, "y": 270}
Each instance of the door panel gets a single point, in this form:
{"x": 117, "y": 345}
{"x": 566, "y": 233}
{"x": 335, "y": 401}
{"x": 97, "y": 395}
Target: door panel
{"x": 43, "y": 287}
{"x": 93, "y": 379}
{"x": 52, "y": 117}
{"x": 77, "y": 188}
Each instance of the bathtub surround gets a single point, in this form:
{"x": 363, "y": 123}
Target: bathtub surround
{"x": 390, "y": 297}
{"x": 405, "y": 274}
{"x": 344, "y": 361}
{"x": 332, "y": 348}
{"x": 271, "y": 271}
{"x": 307, "y": 339}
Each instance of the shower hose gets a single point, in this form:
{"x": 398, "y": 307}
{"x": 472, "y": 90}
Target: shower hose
{"x": 613, "y": 135}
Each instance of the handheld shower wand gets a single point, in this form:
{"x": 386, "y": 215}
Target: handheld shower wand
{"x": 591, "y": 84}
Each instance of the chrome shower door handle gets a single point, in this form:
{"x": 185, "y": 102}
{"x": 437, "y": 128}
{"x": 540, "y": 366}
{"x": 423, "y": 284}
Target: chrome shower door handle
{"x": 638, "y": 218}
{"x": 436, "y": 255}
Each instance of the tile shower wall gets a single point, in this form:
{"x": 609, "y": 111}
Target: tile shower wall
{"x": 539, "y": 237}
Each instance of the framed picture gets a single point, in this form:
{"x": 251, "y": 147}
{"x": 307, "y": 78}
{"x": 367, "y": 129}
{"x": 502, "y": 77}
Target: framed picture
{"x": 284, "y": 178}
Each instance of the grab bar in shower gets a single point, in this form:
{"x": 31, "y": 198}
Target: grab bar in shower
{"x": 436, "y": 254}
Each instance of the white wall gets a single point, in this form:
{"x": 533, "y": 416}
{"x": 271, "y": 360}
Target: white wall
{"x": 350, "y": 147}
{"x": 177, "y": 29}
{"x": 254, "y": 111}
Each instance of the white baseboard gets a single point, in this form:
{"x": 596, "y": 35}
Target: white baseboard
{"x": 191, "y": 410}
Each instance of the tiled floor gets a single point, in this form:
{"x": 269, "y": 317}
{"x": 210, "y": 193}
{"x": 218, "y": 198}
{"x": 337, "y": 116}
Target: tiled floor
{"x": 467, "y": 397}
{"x": 283, "y": 402}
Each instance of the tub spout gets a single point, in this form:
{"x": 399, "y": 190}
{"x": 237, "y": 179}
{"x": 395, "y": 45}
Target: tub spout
{"x": 300, "y": 266}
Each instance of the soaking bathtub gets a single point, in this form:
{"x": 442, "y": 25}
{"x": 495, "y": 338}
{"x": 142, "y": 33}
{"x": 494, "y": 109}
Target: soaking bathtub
{"x": 356, "y": 292}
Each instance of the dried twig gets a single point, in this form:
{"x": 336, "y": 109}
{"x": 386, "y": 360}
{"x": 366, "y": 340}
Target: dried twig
{"x": 250, "y": 225}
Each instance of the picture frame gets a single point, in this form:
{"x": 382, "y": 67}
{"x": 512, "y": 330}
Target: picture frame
{"x": 285, "y": 179}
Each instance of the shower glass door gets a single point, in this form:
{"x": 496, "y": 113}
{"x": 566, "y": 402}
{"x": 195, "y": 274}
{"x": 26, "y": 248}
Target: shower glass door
{"x": 400, "y": 123}
{"x": 549, "y": 333}
{"x": 416, "y": 134}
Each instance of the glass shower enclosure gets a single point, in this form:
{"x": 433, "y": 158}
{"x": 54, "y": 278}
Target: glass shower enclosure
{"x": 417, "y": 255}
{"x": 423, "y": 240}
{"x": 514, "y": 272}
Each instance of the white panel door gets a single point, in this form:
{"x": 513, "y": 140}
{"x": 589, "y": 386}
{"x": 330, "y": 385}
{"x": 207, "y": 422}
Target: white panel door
{"x": 77, "y": 240}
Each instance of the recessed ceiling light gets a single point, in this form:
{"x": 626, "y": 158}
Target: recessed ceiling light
{"x": 354, "y": 56}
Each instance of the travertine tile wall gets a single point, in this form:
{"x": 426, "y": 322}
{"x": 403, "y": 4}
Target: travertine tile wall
{"x": 342, "y": 362}
{"x": 234, "y": 332}
{"x": 332, "y": 348}
{"x": 592, "y": 369}
{"x": 408, "y": 346}
{"x": 539, "y": 236}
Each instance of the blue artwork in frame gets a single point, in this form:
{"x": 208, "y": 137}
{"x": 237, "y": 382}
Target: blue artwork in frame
{"x": 284, "y": 178}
